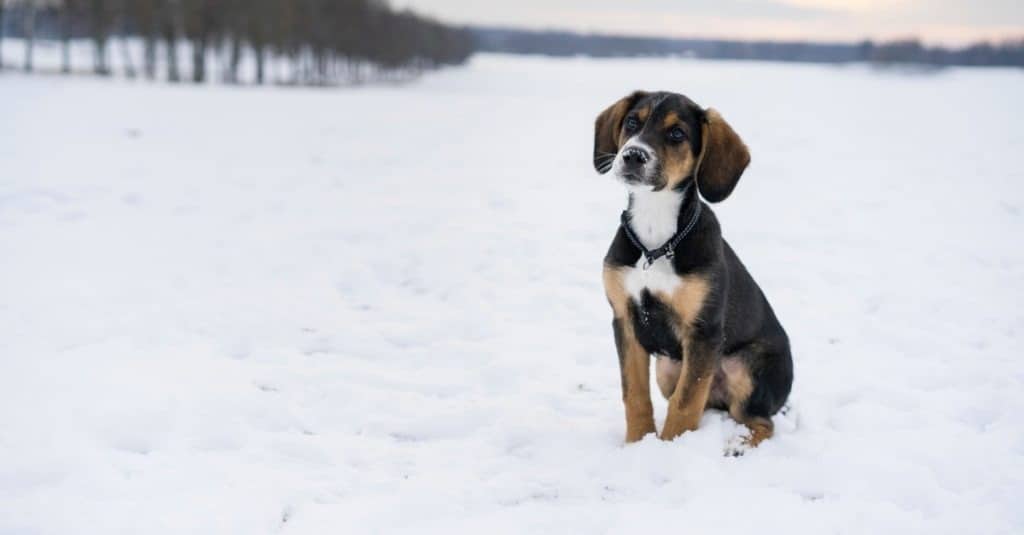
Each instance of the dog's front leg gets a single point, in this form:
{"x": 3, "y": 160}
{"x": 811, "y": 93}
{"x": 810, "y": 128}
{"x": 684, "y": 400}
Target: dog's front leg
{"x": 634, "y": 361}
{"x": 635, "y": 368}
{"x": 687, "y": 403}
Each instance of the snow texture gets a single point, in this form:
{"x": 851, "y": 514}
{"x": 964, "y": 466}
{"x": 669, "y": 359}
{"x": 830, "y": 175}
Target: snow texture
{"x": 262, "y": 310}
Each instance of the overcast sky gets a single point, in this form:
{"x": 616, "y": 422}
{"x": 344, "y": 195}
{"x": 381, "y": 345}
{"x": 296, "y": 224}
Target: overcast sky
{"x": 935, "y": 21}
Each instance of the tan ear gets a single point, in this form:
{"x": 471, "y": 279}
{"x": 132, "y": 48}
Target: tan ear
{"x": 606, "y": 131}
{"x": 723, "y": 157}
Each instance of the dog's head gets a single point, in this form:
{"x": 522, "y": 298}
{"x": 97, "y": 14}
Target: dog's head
{"x": 661, "y": 140}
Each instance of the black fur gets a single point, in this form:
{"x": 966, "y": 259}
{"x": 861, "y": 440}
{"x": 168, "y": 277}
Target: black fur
{"x": 652, "y": 323}
{"x": 620, "y": 349}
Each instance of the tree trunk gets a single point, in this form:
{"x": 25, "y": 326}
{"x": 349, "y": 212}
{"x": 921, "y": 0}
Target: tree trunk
{"x": 100, "y": 33}
{"x": 1, "y": 34}
{"x": 100, "y": 55}
{"x": 126, "y": 57}
{"x": 235, "y": 58}
{"x": 65, "y": 37}
{"x": 126, "y": 53}
{"x": 170, "y": 31}
{"x": 30, "y": 33}
{"x": 199, "y": 59}
{"x": 172, "y": 58}
{"x": 260, "y": 61}
{"x": 147, "y": 19}
{"x": 149, "y": 55}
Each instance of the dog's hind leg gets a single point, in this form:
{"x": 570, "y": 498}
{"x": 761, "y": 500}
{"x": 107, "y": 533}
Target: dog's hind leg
{"x": 753, "y": 397}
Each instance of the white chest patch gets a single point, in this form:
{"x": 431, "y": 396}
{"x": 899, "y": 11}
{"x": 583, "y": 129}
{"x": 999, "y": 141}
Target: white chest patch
{"x": 654, "y": 218}
{"x": 660, "y": 277}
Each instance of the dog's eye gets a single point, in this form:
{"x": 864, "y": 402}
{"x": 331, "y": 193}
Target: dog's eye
{"x": 632, "y": 123}
{"x": 676, "y": 135}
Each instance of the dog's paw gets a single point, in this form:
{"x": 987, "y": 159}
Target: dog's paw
{"x": 637, "y": 437}
{"x": 637, "y": 430}
{"x": 736, "y": 447}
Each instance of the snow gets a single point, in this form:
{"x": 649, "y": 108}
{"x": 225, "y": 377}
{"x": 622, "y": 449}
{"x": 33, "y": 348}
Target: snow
{"x": 264, "y": 310}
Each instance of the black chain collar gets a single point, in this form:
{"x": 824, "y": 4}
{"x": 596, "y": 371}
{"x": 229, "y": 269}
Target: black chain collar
{"x": 667, "y": 250}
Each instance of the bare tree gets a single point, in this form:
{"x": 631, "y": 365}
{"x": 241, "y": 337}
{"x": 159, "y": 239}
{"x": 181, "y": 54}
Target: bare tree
{"x": 144, "y": 14}
{"x": 258, "y": 30}
{"x": 2, "y": 2}
{"x": 100, "y": 23}
{"x": 202, "y": 23}
{"x": 169, "y": 28}
{"x": 309, "y": 41}
{"x": 234, "y": 26}
{"x": 234, "y": 58}
{"x": 30, "y": 32}
{"x": 123, "y": 27}
{"x": 67, "y": 17}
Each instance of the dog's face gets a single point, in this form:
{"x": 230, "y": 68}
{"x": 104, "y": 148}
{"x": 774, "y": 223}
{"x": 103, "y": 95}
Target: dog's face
{"x": 658, "y": 141}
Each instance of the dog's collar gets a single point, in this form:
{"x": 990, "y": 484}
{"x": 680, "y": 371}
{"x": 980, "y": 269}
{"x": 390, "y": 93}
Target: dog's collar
{"x": 668, "y": 249}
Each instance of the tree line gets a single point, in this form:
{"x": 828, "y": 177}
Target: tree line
{"x": 561, "y": 43}
{"x": 313, "y": 41}
{"x": 1006, "y": 54}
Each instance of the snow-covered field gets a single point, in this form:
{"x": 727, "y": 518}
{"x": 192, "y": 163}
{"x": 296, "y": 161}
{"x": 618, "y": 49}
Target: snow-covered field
{"x": 240, "y": 310}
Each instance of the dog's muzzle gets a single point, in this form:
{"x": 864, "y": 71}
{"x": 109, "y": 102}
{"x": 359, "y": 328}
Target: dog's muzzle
{"x": 634, "y": 158}
{"x": 633, "y": 165}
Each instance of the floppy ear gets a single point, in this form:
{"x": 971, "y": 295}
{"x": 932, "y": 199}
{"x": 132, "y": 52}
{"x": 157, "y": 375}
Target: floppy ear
{"x": 723, "y": 157}
{"x": 606, "y": 131}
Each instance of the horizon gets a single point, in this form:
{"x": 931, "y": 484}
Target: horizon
{"x": 951, "y": 23}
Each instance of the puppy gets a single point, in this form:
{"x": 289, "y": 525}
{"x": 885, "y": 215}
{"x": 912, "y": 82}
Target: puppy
{"x": 676, "y": 288}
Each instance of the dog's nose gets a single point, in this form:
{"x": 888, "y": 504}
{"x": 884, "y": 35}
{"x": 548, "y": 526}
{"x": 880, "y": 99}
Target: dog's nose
{"x": 635, "y": 157}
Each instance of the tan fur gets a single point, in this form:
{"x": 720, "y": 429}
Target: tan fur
{"x": 690, "y": 395}
{"x": 722, "y": 160}
{"x": 670, "y": 119}
{"x": 643, "y": 113}
{"x": 678, "y": 161}
{"x": 608, "y": 125}
{"x": 688, "y": 299}
{"x": 634, "y": 361}
{"x": 615, "y": 291}
{"x": 667, "y": 371}
{"x": 760, "y": 429}
{"x": 688, "y": 401}
{"x": 610, "y": 122}
{"x": 677, "y": 164}
{"x": 636, "y": 372}
{"x": 739, "y": 385}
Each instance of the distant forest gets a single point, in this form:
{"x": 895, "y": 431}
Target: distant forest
{"x": 326, "y": 42}
{"x": 560, "y": 43}
{"x": 323, "y": 41}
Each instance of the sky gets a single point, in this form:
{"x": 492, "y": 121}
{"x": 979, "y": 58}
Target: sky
{"x": 949, "y": 22}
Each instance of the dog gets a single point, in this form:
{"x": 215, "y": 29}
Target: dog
{"x": 676, "y": 289}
